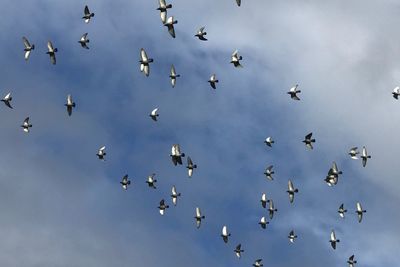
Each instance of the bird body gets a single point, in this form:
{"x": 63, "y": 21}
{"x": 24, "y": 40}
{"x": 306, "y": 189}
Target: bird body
{"x": 51, "y": 52}
{"x": 291, "y": 191}
{"x": 198, "y": 217}
{"x": 162, "y": 207}
{"x": 360, "y": 211}
{"x": 144, "y": 62}
{"x": 225, "y": 234}
{"x": 169, "y": 23}
{"x": 84, "y": 41}
{"x": 125, "y": 182}
{"x": 235, "y": 59}
{"x": 101, "y": 153}
{"x": 364, "y": 156}
{"x": 70, "y": 105}
{"x": 268, "y": 141}
{"x": 292, "y": 236}
{"x": 263, "y": 222}
{"x": 308, "y": 140}
{"x": 153, "y": 115}
{"x": 271, "y": 209}
{"x": 151, "y": 182}
{"x": 342, "y": 211}
{"x": 7, "y": 99}
{"x": 174, "y": 195}
{"x": 176, "y": 154}
{"x": 28, "y": 47}
{"x": 201, "y": 33}
{"x": 26, "y": 125}
{"x": 190, "y": 166}
{"x": 87, "y": 15}
{"x": 238, "y": 251}
{"x": 268, "y": 172}
{"x": 333, "y": 239}
{"x": 293, "y": 92}
{"x": 213, "y": 81}
{"x": 173, "y": 76}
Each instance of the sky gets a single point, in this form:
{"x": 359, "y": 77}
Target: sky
{"x": 61, "y": 206}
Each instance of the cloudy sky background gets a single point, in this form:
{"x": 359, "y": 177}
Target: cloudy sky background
{"x": 61, "y": 206}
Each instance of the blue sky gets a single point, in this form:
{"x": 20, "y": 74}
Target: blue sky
{"x": 61, "y": 206}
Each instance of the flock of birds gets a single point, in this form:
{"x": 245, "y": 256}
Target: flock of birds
{"x": 176, "y": 155}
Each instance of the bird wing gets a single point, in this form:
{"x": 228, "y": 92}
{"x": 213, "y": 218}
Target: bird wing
{"x": 290, "y": 186}
{"x": 171, "y": 30}
{"x": 8, "y": 96}
{"x": 224, "y": 231}
{"x": 173, "y": 72}
{"x": 163, "y": 16}
{"x": 359, "y": 208}
{"x": 238, "y": 2}
{"x": 364, "y": 152}
{"x": 27, "y": 54}
{"x": 53, "y": 59}
{"x": 86, "y": 11}
{"x": 198, "y": 213}
{"x": 154, "y": 112}
{"x": 84, "y": 36}
{"x": 26, "y": 121}
{"x": 396, "y": 89}
{"x": 162, "y": 3}
{"x": 173, "y": 190}
{"x": 143, "y": 55}
{"x": 264, "y": 197}
{"x": 26, "y": 42}
{"x": 50, "y": 46}
{"x": 308, "y": 136}
{"x": 146, "y": 69}
{"x": 333, "y": 236}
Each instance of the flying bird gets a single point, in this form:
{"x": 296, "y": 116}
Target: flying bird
{"x": 190, "y": 166}
{"x": 235, "y": 59}
{"x": 26, "y": 125}
{"x": 163, "y": 10}
{"x": 87, "y": 15}
{"x": 225, "y": 234}
{"x": 308, "y": 140}
{"x": 364, "y": 156}
{"x": 291, "y": 190}
{"x": 351, "y": 261}
{"x": 396, "y": 92}
{"x": 333, "y": 175}
{"x": 174, "y": 195}
{"x": 101, "y": 153}
{"x": 353, "y": 152}
{"x": 84, "y": 41}
{"x": 7, "y": 99}
{"x": 292, "y": 236}
{"x": 70, "y": 104}
{"x": 213, "y": 81}
{"x": 271, "y": 209}
{"x": 151, "y": 182}
{"x": 28, "y": 47}
{"x": 125, "y": 182}
{"x": 198, "y": 217}
{"x": 201, "y": 33}
{"x": 176, "y": 154}
{"x": 263, "y": 222}
{"x": 51, "y": 52}
{"x": 293, "y": 92}
{"x": 268, "y": 141}
{"x": 258, "y": 263}
{"x": 173, "y": 76}
{"x": 144, "y": 62}
{"x": 170, "y": 25}
{"x": 153, "y": 115}
{"x": 333, "y": 239}
{"x": 264, "y": 200}
{"x": 238, "y": 251}
{"x": 162, "y": 207}
{"x": 342, "y": 210}
{"x": 359, "y": 211}
{"x": 268, "y": 172}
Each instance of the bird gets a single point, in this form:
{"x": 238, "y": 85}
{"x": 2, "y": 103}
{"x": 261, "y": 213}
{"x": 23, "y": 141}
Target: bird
{"x": 163, "y": 10}
{"x": 238, "y": 251}
{"x": 258, "y": 263}
{"x": 84, "y": 41}
{"x": 26, "y": 125}
{"x": 201, "y": 33}
{"x": 351, "y": 261}
{"x": 144, "y": 62}
{"x": 125, "y": 182}
{"x": 353, "y": 152}
{"x": 308, "y": 141}
{"x": 213, "y": 81}
{"x": 174, "y": 195}
{"x": 396, "y": 92}
{"x": 51, "y": 52}
{"x": 292, "y": 236}
{"x": 151, "y": 181}
{"x": 364, "y": 156}
{"x": 333, "y": 239}
{"x": 87, "y": 15}
{"x": 70, "y": 104}
{"x": 264, "y": 200}
{"x": 268, "y": 172}
{"x": 7, "y": 99}
{"x": 153, "y": 115}
{"x": 162, "y": 207}
{"x": 173, "y": 76}
{"x": 101, "y": 153}
{"x": 263, "y": 222}
{"x": 225, "y": 234}
{"x": 198, "y": 217}
{"x": 271, "y": 209}
{"x": 235, "y": 59}
{"x": 359, "y": 211}
{"x": 28, "y": 47}
{"x": 268, "y": 141}
{"x": 190, "y": 166}
{"x": 333, "y": 175}
{"x": 176, "y": 154}
{"x": 293, "y": 92}
{"x": 170, "y": 25}
{"x": 342, "y": 210}
{"x": 291, "y": 190}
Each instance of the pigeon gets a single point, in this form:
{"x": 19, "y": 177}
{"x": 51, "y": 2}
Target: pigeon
{"x": 353, "y": 152}
{"x": 26, "y": 125}
{"x": 28, "y": 47}
{"x": 258, "y": 263}
{"x": 291, "y": 190}
{"x": 7, "y": 99}
{"x": 264, "y": 200}
{"x": 101, "y": 153}
{"x": 163, "y": 10}
{"x": 162, "y": 207}
{"x": 173, "y": 76}
{"x": 293, "y": 92}
{"x": 396, "y": 92}
{"x": 359, "y": 211}
{"x": 263, "y": 222}
{"x": 333, "y": 175}
{"x": 51, "y": 52}
{"x": 213, "y": 81}
{"x": 308, "y": 141}
{"x": 342, "y": 210}
{"x": 201, "y": 33}
{"x": 364, "y": 156}
{"x": 268, "y": 141}
{"x": 153, "y": 115}
{"x": 198, "y": 217}
{"x": 170, "y": 25}
{"x": 70, "y": 104}
{"x": 225, "y": 234}
{"x": 84, "y": 41}
{"x": 151, "y": 181}
{"x": 268, "y": 172}
{"x": 176, "y": 154}
{"x": 271, "y": 209}
{"x": 333, "y": 240}
{"x": 144, "y": 62}
{"x": 292, "y": 236}
{"x": 238, "y": 251}
{"x": 235, "y": 59}
{"x": 351, "y": 261}
{"x": 190, "y": 166}
{"x": 87, "y": 15}
{"x": 174, "y": 195}
{"x": 125, "y": 182}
